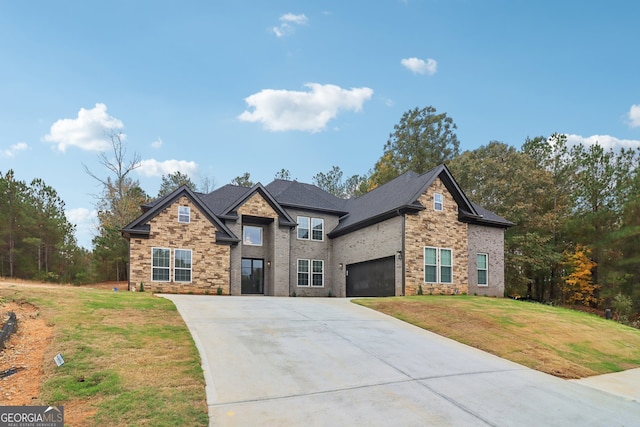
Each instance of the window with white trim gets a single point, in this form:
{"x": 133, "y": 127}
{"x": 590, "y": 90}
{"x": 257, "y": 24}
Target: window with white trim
{"x": 184, "y": 214}
{"x": 438, "y": 265}
{"x": 182, "y": 265}
{"x": 303, "y": 227}
{"x": 438, "y": 202}
{"x": 303, "y": 272}
{"x": 160, "y": 264}
{"x": 483, "y": 269}
{"x": 310, "y": 228}
{"x": 317, "y": 273}
{"x": 252, "y": 235}
{"x": 311, "y": 273}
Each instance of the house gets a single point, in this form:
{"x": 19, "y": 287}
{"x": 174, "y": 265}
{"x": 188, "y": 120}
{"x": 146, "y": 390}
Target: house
{"x": 417, "y": 232}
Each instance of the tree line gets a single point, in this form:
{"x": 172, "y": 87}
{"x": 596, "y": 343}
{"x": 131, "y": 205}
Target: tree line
{"x": 575, "y": 209}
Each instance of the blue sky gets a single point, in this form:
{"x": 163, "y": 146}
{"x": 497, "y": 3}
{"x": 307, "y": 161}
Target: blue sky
{"x": 216, "y": 89}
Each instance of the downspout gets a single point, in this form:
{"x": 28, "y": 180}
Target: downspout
{"x": 404, "y": 254}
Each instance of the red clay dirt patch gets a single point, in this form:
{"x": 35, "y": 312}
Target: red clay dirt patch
{"x": 25, "y": 350}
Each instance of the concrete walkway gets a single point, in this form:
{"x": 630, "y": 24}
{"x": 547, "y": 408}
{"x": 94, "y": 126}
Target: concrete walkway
{"x": 325, "y": 361}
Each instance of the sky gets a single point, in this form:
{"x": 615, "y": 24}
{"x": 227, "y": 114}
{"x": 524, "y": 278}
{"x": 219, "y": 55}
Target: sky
{"x": 214, "y": 89}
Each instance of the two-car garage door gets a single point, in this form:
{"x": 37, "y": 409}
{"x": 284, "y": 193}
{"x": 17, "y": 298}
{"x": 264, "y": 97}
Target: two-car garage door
{"x": 374, "y": 278}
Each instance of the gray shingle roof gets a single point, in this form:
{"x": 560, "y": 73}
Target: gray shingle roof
{"x": 307, "y": 196}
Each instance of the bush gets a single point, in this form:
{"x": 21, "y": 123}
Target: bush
{"x": 622, "y": 305}
{"x": 219, "y": 290}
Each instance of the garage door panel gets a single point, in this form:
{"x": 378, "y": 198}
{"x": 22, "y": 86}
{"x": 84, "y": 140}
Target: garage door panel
{"x": 374, "y": 278}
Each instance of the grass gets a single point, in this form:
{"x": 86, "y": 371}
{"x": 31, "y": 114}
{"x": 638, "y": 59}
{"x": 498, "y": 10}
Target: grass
{"x": 129, "y": 357}
{"x": 558, "y": 341}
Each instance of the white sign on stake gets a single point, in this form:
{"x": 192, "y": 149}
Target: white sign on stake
{"x": 58, "y": 359}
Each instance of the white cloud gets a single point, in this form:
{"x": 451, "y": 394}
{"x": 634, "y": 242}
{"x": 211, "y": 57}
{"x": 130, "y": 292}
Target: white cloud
{"x": 89, "y": 131}
{"x": 419, "y": 66}
{"x": 152, "y": 167}
{"x": 86, "y": 224}
{"x": 634, "y": 116}
{"x": 157, "y": 143}
{"x": 605, "y": 141}
{"x": 288, "y": 22}
{"x": 14, "y": 149}
{"x": 283, "y": 110}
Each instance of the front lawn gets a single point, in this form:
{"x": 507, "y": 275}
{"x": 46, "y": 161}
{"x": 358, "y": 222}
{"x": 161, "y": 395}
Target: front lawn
{"x": 558, "y": 341}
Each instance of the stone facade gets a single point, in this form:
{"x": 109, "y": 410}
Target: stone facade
{"x": 210, "y": 261}
{"x": 438, "y": 229}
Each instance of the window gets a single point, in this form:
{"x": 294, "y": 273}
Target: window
{"x": 438, "y": 265}
{"x": 437, "y": 202}
{"x": 182, "y": 265}
{"x": 316, "y": 273}
{"x": 184, "y": 214}
{"x": 160, "y": 264}
{"x": 252, "y": 235}
{"x": 303, "y": 272}
{"x": 303, "y": 227}
{"x": 446, "y": 266}
{"x": 310, "y": 228}
{"x": 317, "y": 227}
{"x": 430, "y": 265}
{"x": 483, "y": 270}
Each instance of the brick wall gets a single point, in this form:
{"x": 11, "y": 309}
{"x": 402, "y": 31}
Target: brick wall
{"x": 210, "y": 261}
{"x": 440, "y": 229}
{"x": 488, "y": 240}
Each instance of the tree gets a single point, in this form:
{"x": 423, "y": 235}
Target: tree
{"x": 118, "y": 204}
{"x": 500, "y": 178}
{"x": 243, "y": 180}
{"x": 332, "y": 182}
{"x": 173, "y": 181}
{"x": 421, "y": 141}
{"x": 579, "y": 286}
{"x": 283, "y": 174}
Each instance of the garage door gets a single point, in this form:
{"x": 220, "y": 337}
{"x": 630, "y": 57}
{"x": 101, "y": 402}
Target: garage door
{"x": 372, "y": 278}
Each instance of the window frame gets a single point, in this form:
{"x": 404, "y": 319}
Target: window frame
{"x": 438, "y": 266}
{"x": 438, "y": 202}
{"x": 312, "y": 225}
{"x": 300, "y": 227}
{"x": 305, "y": 273}
{"x": 485, "y": 269}
{"x": 244, "y": 236}
{"x": 442, "y": 266}
{"x": 160, "y": 267}
{"x": 315, "y": 273}
{"x": 183, "y": 215}
{"x": 176, "y": 268}
{"x": 434, "y": 266}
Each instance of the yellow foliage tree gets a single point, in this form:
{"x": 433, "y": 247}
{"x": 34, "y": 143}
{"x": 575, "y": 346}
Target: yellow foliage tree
{"x": 578, "y": 285}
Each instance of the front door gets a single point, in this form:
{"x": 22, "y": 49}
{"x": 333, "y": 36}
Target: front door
{"x": 252, "y": 276}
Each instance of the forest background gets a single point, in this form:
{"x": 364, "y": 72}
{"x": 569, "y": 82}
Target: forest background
{"x": 575, "y": 209}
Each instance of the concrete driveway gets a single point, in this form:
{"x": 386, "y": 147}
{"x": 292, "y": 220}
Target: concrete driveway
{"x": 325, "y": 361}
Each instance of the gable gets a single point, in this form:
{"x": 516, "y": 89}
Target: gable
{"x": 141, "y": 226}
{"x": 257, "y": 206}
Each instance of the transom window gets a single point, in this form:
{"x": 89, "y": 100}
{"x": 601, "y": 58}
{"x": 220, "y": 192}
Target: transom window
{"x": 160, "y": 264}
{"x": 311, "y": 273}
{"x": 184, "y": 214}
{"x": 483, "y": 270}
{"x": 438, "y": 202}
{"x": 182, "y": 265}
{"x": 252, "y": 235}
{"x": 310, "y": 228}
{"x": 438, "y": 265}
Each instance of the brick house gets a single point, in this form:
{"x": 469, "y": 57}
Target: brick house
{"x": 289, "y": 238}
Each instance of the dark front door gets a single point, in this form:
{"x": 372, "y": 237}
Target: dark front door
{"x": 252, "y": 276}
{"x": 375, "y": 278}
